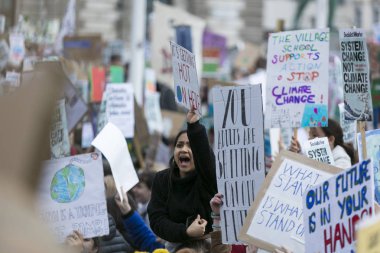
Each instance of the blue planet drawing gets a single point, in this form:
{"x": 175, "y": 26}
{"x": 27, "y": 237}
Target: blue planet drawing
{"x": 179, "y": 94}
{"x": 67, "y": 184}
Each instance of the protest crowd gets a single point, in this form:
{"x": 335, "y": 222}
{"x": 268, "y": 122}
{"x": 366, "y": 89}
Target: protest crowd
{"x": 203, "y": 148}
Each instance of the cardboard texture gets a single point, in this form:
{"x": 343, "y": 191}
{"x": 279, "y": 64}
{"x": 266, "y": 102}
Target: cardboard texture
{"x": 270, "y": 243}
{"x": 83, "y": 48}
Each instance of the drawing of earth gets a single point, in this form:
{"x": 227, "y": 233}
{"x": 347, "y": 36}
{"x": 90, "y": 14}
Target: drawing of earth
{"x": 68, "y": 184}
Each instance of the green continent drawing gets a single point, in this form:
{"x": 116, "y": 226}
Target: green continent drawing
{"x": 68, "y": 184}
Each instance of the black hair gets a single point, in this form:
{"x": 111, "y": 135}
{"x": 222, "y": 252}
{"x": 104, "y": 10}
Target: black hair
{"x": 334, "y": 129}
{"x": 172, "y": 165}
{"x": 147, "y": 177}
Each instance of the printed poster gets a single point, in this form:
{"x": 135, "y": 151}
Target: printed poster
{"x": 297, "y": 79}
{"x": 71, "y": 196}
{"x": 356, "y": 78}
{"x": 333, "y": 209}
{"x": 186, "y": 85}
{"x": 239, "y": 153}
{"x": 348, "y": 127}
{"x": 319, "y": 149}
{"x": 59, "y": 136}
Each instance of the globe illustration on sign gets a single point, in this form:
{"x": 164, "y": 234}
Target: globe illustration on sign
{"x": 68, "y": 184}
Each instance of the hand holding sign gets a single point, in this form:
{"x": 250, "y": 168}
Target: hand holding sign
{"x": 192, "y": 117}
{"x": 122, "y": 202}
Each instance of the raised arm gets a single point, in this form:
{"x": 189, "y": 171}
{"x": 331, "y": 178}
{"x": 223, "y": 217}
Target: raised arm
{"x": 204, "y": 158}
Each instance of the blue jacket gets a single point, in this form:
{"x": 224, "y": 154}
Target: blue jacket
{"x": 141, "y": 236}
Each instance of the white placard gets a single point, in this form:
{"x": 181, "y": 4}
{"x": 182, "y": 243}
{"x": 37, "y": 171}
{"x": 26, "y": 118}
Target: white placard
{"x": 87, "y": 134}
{"x": 333, "y": 209}
{"x": 186, "y": 85}
{"x": 13, "y": 78}
{"x": 239, "y": 152}
{"x": 120, "y": 107}
{"x": 356, "y": 78}
{"x": 297, "y": 79}
{"x": 319, "y": 149}
{"x": 71, "y": 196}
{"x": 110, "y": 141}
{"x": 17, "y": 48}
{"x": 153, "y": 112}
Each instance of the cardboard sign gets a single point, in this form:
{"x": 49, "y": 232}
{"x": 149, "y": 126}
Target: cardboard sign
{"x": 368, "y": 235}
{"x": 297, "y": 79}
{"x": 98, "y": 82}
{"x": 319, "y": 149}
{"x": 153, "y": 112}
{"x": 333, "y": 209}
{"x": 356, "y": 78}
{"x": 239, "y": 152}
{"x": 172, "y": 123}
{"x": 59, "y": 136}
{"x": 275, "y": 218}
{"x": 373, "y": 151}
{"x": 166, "y": 18}
{"x": 83, "y": 48}
{"x": 111, "y": 142}
{"x": 186, "y": 86}
{"x": 117, "y": 74}
{"x": 71, "y": 196}
{"x": 120, "y": 107}
{"x": 348, "y": 127}
{"x": 76, "y": 108}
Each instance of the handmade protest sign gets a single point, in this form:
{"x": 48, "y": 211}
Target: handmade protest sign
{"x": 348, "y": 127}
{"x": 111, "y": 142}
{"x": 373, "y": 151}
{"x": 186, "y": 86}
{"x": 71, "y": 196}
{"x": 239, "y": 151}
{"x": 83, "y": 48}
{"x": 333, "y": 208}
{"x": 59, "y": 136}
{"x": 166, "y": 18}
{"x": 153, "y": 112}
{"x": 368, "y": 235}
{"x": 356, "y": 79}
{"x": 319, "y": 149}
{"x": 297, "y": 79}
{"x": 275, "y": 218}
{"x": 120, "y": 107}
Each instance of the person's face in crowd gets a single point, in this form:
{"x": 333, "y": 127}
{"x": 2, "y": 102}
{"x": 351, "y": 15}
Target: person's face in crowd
{"x": 142, "y": 193}
{"x": 316, "y": 132}
{"x": 89, "y": 246}
{"x": 183, "y": 156}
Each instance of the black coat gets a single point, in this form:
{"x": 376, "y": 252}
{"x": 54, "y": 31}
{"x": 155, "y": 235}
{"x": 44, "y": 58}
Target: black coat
{"x": 174, "y": 200}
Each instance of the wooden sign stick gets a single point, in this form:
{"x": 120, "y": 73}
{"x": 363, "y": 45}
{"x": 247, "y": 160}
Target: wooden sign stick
{"x": 361, "y": 129}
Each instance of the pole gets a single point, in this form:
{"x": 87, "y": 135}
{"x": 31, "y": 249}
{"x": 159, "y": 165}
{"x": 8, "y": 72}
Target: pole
{"x": 136, "y": 72}
{"x": 322, "y": 7}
